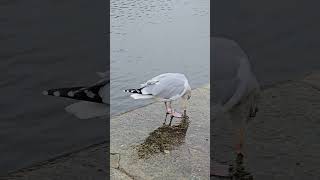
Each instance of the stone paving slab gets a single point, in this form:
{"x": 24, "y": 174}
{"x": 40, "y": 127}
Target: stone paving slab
{"x": 313, "y": 79}
{"x": 88, "y": 164}
{"x": 186, "y": 157}
{"x": 282, "y": 142}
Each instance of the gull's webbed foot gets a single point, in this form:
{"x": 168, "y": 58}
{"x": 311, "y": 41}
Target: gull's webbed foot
{"x": 176, "y": 114}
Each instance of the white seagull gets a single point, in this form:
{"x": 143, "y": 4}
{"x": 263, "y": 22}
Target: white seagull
{"x": 236, "y": 89}
{"x": 94, "y": 98}
{"x": 166, "y": 87}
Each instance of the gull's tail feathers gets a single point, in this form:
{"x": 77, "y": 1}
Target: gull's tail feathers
{"x": 137, "y": 91}
{"x": 141, "y": 96}
{"x": 87, "y": 110}
{"x": 79, "y": 93}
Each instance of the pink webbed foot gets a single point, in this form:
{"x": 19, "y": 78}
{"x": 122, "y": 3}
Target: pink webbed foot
{"x": 176, "y": 114}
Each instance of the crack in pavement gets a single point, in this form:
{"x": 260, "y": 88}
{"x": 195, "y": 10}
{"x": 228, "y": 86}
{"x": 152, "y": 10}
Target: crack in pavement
{"x": 119, "y": 168}
{"x": 118, "y": 160}
{"x": 126, "y": 173}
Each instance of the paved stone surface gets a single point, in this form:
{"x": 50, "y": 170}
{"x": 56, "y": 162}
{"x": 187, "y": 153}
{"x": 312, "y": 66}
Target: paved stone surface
{"x": 313, "y": 80}
{"x": 283, "y": 140}
{"x": 181, "y": 158}
{"x": 178, "y": 152}
{"x": 88, "y": 164}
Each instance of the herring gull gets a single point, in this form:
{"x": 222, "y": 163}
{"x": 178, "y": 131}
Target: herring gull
{"x": 166, "y": 87}
{"x": 236, "y": 91}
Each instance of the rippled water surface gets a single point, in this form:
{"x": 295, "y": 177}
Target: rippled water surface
{"x": 150, "y": 37}
{"x": 47, "y": 44}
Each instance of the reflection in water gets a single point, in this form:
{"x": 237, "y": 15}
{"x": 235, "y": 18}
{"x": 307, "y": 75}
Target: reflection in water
{"x": 239, "y": 172}
{"x": 164, "y": 138}
{"x": 151, "y": 37}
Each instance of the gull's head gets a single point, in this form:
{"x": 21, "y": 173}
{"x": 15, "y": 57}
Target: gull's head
{"x": 187, "y": 95}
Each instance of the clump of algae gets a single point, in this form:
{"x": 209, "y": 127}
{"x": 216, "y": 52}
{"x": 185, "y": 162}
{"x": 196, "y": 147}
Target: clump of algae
{"x": 164, "y": 138}
{"x": 238, "y": 172}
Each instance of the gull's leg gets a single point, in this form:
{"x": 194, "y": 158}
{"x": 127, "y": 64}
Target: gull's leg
{"x": 240, "y": 141}
{"x": 171, "y": 120}
{"x": 172, "y": 113}
{"x": 168, "y": 107}
{"x": 165, "y": 119}
{"x": 167, "y": 112}
{"x": 238, "y": 118}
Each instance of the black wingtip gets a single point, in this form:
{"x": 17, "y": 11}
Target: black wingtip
{"x": 79, "y": 93}
{"x": 45, "y": 93}
{"x": 138, "y": 91}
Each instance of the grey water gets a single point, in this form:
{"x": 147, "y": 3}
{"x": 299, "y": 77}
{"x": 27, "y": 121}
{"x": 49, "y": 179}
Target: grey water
{"x": 47, "y": 44}
{"x": 280, "y": 38}
{"x": 151, "y": 37}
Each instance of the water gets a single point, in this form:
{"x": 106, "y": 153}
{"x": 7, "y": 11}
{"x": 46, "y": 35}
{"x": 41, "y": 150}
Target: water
{"x": 280, "y": 38}
{"x": 150, "y": 37}
{"x": 47, "y": 44}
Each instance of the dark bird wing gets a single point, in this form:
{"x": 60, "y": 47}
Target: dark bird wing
{"x": 85, "y": 93}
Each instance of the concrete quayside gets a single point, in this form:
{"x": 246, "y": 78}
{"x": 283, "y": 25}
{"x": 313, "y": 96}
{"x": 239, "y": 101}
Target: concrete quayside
{"x": 281, "y": 142}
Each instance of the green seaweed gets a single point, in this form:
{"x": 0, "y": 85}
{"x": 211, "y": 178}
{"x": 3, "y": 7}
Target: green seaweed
{"x": 164, "y": 138}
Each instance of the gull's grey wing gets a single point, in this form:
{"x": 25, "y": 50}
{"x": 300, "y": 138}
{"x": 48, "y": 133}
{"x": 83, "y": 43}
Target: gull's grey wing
{"x": 232, "y": 75}
{"x": 166, "y": 88}
{"x": 226, "y": 62}
{"x": 158, "y": 78}
{"x": 226, "y": 58}
{"x": 169, "y": 89}
{"x": 224, "y": 90}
